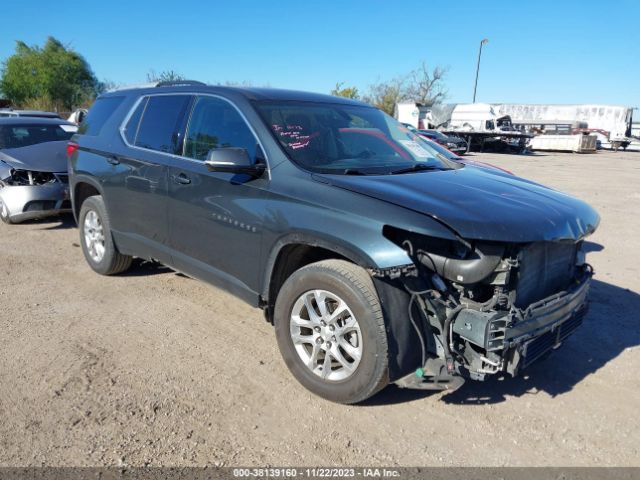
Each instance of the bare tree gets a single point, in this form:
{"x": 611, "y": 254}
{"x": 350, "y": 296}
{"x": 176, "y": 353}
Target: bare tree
{"x": 385, "y": 94}
{"x": 421, "y": 85}
{"x": 164, "y": 76}
{"x": 234, "y": 83}
{"x": 426, "y": 86}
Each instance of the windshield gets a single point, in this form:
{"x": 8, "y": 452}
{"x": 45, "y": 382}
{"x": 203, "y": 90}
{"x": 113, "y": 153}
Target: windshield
{"x": 17, "y": 136}
{"x": 443, "y": 151}
{"x": 347, "y": 139}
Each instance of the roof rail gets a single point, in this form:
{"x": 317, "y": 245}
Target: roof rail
{"x": 178, "y": 83}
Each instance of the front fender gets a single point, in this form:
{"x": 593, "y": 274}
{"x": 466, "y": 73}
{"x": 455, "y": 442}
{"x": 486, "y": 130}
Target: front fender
{"x": 315, "y": 239}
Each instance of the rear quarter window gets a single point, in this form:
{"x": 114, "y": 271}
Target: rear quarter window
{"x": 99, "y": 114}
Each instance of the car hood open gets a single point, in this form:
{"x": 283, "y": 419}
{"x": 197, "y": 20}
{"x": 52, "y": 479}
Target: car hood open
{"x": 481, "y": 205}
{"x": 41, "y": 157}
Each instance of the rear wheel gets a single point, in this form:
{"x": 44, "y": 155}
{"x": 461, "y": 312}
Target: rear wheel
{"x": 331, "y": 332}
{"x": 96, "y": 240}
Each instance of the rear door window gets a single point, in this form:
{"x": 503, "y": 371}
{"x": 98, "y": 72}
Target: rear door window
{"x": 163, "y": 122}
{"x": 99, "y": 114}
{"x": 215, "y": 123}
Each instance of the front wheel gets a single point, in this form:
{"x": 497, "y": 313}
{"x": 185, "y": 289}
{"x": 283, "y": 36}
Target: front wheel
{"x": 5, "y": 216}
{"x": 331, "y": 331}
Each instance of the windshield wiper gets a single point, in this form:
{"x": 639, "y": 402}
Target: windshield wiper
{"x": 353, "y": 171}
{"x": 416, "y": 168}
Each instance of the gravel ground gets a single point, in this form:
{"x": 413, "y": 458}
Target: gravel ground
{"x": 153, "y": 368}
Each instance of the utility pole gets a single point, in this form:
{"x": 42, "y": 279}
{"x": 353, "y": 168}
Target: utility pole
{"x": 475, "y": 87}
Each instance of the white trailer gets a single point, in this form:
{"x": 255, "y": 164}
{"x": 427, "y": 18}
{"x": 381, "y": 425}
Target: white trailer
{"x": 611, "y": 123}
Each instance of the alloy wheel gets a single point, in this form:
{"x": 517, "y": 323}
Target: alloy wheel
{"x": 94, "y": 236}
{"x": 326, "y": 335}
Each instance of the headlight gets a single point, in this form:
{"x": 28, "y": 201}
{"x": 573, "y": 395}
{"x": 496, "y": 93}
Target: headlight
{"x": 27, "y": 177}
{"x": 451, "y": 259}
{"x": 449, "y": 144}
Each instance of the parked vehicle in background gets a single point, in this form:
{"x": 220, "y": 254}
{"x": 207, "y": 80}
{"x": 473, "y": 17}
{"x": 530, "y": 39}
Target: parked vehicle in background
{"x": 479, "y": 117}
{"x": 466, "y": 160}
{"x": 457, "y": 158}
{"x": 376, "y": 259}
{"x": 454, "y": 144}
{"x": 33, "y": 168}
{"x": 77, "y": 116}
{"x": 611, "y": 123}
{"x": 414, "y": 114}
{"x": 439, "y": 149}
{"x": 8, "y": 112}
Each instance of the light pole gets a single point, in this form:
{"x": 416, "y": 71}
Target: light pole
{"x": 475, "y": 87}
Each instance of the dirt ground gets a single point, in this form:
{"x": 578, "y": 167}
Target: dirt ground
{"x": 155, "y": 368}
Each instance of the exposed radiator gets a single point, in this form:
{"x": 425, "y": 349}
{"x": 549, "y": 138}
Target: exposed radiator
{"x": 545, "y": 268}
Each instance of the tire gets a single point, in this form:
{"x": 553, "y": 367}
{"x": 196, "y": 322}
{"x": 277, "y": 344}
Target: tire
{"x": 4, "y": 214}
{"x": 350, "y": 286}
{"x": 110, "y": 262}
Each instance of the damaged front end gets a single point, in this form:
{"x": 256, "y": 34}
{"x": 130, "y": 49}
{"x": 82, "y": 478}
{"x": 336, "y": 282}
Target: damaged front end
{"x": 483, "y": 308}
{"x": 27, "y": 194}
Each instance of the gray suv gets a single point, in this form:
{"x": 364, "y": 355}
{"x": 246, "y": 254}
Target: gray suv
{"x": 377, "y": 259}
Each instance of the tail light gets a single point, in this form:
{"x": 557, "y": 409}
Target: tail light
{"x": 72, "y": 147}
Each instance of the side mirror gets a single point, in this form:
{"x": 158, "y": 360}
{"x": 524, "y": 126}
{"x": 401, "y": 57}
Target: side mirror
{"x": 233, "y": 160}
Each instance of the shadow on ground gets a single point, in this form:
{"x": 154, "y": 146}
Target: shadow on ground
{"x": 589, "y": 247}
{"x": 143, "y": 268}
{"x": 611, "y": 326}
{"x": 61, "y": 222}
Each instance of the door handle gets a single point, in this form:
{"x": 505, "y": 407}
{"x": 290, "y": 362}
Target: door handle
{"x": 113, "y": 160}
{"x": 181, "y": 179}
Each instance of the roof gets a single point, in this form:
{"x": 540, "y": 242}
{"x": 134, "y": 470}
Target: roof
{"x": 33, "y": 121}
{"x": 26, "y": 113}
{"x": 250, "y": 93}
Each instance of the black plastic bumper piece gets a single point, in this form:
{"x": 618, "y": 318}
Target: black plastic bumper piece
{"x": 537, "y": 348}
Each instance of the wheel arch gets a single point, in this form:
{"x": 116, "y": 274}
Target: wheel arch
{"x": 296, "y": 250}
{"x": 83, "y": 188}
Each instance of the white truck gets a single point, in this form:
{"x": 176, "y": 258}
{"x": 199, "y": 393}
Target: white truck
{"x": 479, "y": 117}
{"x": 414, "y": 114}
{"x": 482, "y": 125}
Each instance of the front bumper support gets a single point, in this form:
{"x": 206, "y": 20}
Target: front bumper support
{"x": 506, "y": 341}
{"x": 519, "y": 337}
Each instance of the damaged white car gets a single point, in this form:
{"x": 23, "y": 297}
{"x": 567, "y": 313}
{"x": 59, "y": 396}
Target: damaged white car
{"x": 33, "y": 168}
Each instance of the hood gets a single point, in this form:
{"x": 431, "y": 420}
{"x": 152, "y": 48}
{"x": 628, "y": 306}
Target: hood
{"x": 41, "y": 157}
{"x": 483, "y": 165}
{"x": 480, "y": 204}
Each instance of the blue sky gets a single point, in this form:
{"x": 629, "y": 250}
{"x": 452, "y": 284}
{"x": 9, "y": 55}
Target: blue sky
{"x": 538, "y": 51}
